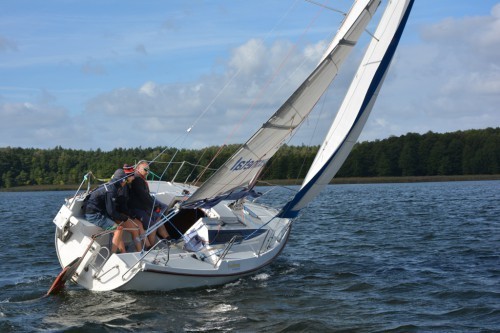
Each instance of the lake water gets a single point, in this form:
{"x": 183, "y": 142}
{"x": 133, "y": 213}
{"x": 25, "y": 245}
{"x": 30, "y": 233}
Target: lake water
{"x": 362, "y": 258}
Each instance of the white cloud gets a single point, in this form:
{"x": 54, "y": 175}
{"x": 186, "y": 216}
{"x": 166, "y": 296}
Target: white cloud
{"x": 247, "y": 58}
{"x": 37, "y": 125}
{"x": 447, "y": 80}
{"x": 154, "y": 114}
{"x": 148, "y": 89}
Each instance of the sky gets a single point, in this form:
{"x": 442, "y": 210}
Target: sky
{"x": 190, "y": 74}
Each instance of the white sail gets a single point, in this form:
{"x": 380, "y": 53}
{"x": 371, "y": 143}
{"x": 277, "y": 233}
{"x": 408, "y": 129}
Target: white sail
{"x": 238, "y": 175}
{"x": 356, "y": 106}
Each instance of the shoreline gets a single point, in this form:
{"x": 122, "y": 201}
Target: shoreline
{"x": 381, "y": 180}
{"x": 347, "y": 180}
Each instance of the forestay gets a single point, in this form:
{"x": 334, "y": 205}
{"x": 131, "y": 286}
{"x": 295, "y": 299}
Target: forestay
{"x": 356, "y": 106}
{"x": 238, "y": 175}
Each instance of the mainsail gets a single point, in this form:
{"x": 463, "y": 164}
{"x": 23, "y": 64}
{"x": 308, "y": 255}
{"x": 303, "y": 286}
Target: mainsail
{"x": 356, "y": 106}
{"x": 238, "y": 175}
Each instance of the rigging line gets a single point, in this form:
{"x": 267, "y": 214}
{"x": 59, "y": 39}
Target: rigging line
{"x": 295, "y": 130}
{"x": 373, "y": 36}
{"x": 341, "y": 12}
{"x": 172, "y": 159}
{"x": 213, "y": 159}
{"x": 291, "y": 136}
{"x": 273, "y": 77}
{"x": 165, "y": 171}
{"x": 327, "y": 7}
{"x": 259, "y": 174}
{"x": 202, "y": 114}
{"x": 194, "y": 167}
{"x": 264, "y": 88}
{"x": 173, "y": 142}
{"x": 291, "y": 75}
{"x": 169, "y": 163}
{"x": 324, "y": 96}
{"x": 213, "y": 101}
{"x": 291, "y": 133}
{"x": 273, "y": 187}
{"x": 185, "y": 162}
{"x": 314, "y": 130}
{"x": 271, "y": 163}
{"x": 232, "y": 79}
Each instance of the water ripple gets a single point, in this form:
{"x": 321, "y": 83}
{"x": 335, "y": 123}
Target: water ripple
{"x": 363, "y": 258}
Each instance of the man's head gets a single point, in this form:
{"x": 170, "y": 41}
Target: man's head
{"x": 142, "y": 168}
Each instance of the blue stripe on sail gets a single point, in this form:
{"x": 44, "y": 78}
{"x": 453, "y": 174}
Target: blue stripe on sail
{"x": 288, "y": 210}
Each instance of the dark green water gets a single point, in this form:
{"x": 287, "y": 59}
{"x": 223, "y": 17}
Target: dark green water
{"x": 362, "y": 258}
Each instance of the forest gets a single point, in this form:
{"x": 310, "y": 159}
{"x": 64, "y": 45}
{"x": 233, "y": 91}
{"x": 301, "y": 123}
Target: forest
{"x": 470, "y": 152}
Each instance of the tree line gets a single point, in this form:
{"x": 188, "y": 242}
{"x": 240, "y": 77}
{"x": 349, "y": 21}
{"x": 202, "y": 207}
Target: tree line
{"x": 470, "y": 152}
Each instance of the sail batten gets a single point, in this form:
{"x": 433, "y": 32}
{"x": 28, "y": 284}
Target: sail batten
{"x": 346, "y": 42}
{"x": 237, "y": 176}
{"x": 355, "y": 108}
{"x": 279, "y": 127}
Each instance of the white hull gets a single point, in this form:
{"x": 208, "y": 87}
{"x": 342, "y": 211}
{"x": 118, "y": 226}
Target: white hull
{"x": 170, "y": 266}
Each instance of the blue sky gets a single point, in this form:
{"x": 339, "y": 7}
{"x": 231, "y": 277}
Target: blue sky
{"x": 109, "y": 74}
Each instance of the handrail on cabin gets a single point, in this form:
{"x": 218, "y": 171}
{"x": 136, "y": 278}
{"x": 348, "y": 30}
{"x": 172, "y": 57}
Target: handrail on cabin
{"x": 146, "y": 253}
{"x": 227, "y": 248}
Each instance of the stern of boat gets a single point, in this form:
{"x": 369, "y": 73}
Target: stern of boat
{"x": 74, "y": 238}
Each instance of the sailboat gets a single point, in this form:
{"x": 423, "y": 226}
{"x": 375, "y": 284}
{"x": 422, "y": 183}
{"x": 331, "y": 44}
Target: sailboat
{"x": 220, "y": 234}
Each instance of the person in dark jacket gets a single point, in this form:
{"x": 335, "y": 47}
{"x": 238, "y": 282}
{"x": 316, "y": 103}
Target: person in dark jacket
{"x": 122, "y": 205}
{"x": 101, "y": 210}
{"x": 143, "y": 205}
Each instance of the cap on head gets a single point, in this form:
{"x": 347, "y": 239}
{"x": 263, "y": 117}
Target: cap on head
{"x": 128, "y": 169}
